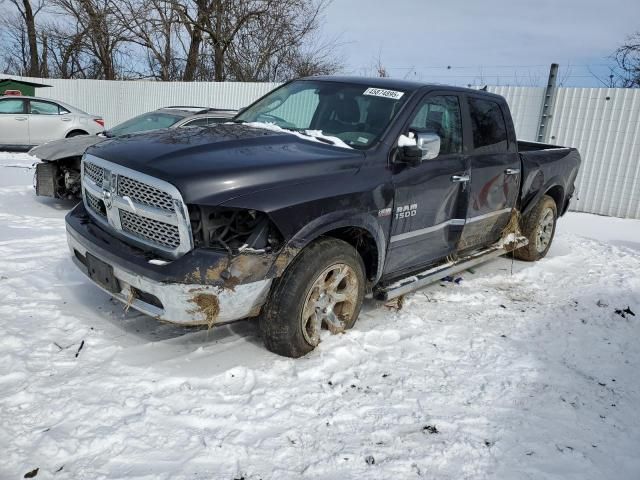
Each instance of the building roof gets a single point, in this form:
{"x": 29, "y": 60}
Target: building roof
{"x": 24, "y": 82}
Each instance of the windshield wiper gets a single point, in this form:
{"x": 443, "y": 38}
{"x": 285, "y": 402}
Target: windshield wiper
{"x": 319, "y": 138}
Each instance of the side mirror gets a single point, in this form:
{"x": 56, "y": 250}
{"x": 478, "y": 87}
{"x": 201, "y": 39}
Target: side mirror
{"x": 417, "y": 147}
{"x": 429, "y": 145}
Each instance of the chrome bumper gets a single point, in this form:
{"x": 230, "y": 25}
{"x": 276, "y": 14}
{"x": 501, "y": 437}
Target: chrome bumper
{"x": 180, "y": 303}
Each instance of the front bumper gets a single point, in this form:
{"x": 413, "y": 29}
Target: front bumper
{"x": 210, "y": 302}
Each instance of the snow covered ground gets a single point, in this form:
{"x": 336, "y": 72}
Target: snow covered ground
{"x": 520, "y": 371}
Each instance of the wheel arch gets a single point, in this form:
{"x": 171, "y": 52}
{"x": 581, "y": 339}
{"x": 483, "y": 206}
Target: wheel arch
{"x": 362, "y": 231}
{"x": 553, "y": 188}
{"x": 77, "y": 131}
{"x": 557, "y": 194}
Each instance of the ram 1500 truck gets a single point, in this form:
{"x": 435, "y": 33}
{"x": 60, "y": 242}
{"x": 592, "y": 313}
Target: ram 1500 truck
{"x": 321, "y": 192}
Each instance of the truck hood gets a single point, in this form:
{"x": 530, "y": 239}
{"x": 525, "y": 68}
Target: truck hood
{"x": 213, "y": 165}
{"x": 65, "y": 147}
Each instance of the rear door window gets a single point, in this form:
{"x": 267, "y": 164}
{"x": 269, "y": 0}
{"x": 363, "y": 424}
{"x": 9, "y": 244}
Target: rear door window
{"x": 488, "y": 125}
{"x": 44, "y": 108}
{"x": 13, "y": 105}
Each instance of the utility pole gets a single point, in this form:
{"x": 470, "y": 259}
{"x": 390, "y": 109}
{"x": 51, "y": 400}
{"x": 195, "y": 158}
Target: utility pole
{"x": 547, "y": 104}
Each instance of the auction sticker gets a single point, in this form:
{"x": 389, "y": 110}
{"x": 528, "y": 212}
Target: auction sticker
{"x": 381, "y": 92}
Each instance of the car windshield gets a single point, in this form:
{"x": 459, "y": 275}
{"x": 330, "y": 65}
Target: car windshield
{"x": 145, "y": 122}
{"x": 356, "y": 114}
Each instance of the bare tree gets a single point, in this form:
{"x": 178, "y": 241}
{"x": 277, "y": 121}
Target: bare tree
{"x": 66, "y": 55}
{"x": 153, "y": 25}
{"x": 21, "y": 49}
{"x": 628, "y": 59}
{"x": 105, "y": 37}
{"x": 247, "y": 40}
{"x": 28, "y": 12}
{"x": 217, "y": 22}
{"x": 15, "y": 54}
{"x": 254, "y": 40}
{"x": 380, "y": 69}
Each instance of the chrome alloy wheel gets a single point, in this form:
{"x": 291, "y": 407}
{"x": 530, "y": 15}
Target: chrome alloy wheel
{"x": 545, "y": 230}
{"x": 331, "y": 301}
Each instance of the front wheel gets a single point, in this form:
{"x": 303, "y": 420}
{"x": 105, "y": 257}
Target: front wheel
{"x": 539, "y": 226}
{"x": 323, "y": 287}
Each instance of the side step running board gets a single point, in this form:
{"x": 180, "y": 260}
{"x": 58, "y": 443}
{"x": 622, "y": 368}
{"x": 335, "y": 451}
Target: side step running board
{"x": 435, "y": 274}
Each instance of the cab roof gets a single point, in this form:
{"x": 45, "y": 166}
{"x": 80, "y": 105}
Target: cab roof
{"x": 393, "y": 83}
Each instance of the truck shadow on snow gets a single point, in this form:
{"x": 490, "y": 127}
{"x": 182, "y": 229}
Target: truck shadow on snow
{"x": 61, "y": 204}
{"x": 200, "y": 351}
{"x": 149, "y": 342}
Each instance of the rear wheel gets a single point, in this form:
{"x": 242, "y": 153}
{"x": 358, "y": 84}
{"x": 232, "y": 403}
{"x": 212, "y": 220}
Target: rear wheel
{"x": 323, "y": 287}
{"x": 539, "y": 226}
{"x": 76, "y": 133}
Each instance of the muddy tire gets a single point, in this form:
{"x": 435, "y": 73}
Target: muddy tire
{"x": 323, "y": 287}
{"x": 539, "y": 226}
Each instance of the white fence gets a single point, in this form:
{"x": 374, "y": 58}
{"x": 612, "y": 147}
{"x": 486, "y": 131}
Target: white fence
{"x": 604, "y": 124}
{"x": 117, "y": 101}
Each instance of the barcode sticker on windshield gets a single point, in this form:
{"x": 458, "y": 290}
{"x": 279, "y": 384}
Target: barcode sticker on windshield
{"x": 380, "y": 92}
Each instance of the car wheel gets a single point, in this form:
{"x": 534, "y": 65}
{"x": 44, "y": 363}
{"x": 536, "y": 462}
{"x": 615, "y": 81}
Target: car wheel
{"x": 323, "y": 287}
{"x": 539, "y": 226}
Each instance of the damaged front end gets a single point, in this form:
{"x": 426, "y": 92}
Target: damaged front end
{"x": 226, "y": 277}
{"x": 251, "y": 246}
{"x": 59, "y": 179}
{"x": 233, "y": 230}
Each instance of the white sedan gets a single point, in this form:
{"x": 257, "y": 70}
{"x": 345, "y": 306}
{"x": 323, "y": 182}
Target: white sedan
{"x": 29, "y": 121}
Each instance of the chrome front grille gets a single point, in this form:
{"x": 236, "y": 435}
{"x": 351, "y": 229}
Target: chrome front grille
{"x": 153, "y": 230}
{"x": 96, "y": 204}
{"x": 94, "y": 172}
{"x": 145, "y": 194}
{"x": 140, "y": 209}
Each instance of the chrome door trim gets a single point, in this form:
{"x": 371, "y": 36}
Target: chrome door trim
{"x": 479, "y": 218}
{"x": 424, "y": 231}
{"x": 453, "y": 222}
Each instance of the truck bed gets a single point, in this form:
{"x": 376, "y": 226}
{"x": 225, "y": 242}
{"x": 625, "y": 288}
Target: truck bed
{"x": 544, "y": 165}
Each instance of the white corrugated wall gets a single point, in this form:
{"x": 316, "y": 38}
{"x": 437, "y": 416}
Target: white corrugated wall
{"x": 119, "y": 100}
{"x": 525, "y": 104}
{"x": 604, "y": 124}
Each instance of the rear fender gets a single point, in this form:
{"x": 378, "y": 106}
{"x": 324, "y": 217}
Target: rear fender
{"x": 553, "y": 183}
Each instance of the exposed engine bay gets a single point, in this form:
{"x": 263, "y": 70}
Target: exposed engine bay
{"x": 233, "y": 230}
{"x": 59, "y": 179}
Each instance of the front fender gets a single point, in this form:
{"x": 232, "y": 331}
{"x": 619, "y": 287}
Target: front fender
{"x": 336, "y": 220}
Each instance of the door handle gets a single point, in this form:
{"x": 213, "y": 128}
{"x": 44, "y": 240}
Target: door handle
{"x": 460, "y": 178}
{"x": 512, "y": 171}
{"x": 20, "y": 119}
{"x": 65, "y": 119}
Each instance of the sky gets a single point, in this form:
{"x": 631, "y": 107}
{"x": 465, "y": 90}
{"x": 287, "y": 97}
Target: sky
{"x": 483, "y": 42}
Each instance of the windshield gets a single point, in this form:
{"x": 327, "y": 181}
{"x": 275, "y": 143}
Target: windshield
{"x": 356, "y": 114}
{"x": 145, "y": 122}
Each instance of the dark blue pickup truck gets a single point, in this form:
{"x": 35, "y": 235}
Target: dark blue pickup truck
{"x": 323, "y": 191}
